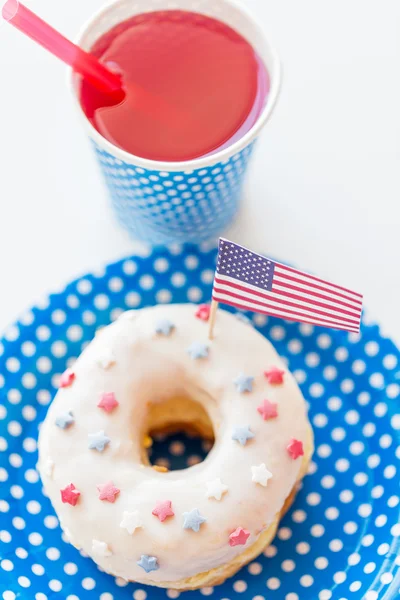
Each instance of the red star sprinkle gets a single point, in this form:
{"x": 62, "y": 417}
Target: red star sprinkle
{"x": 67, "y": 378}
{"x": 239, "y": 537}
{"x": 274, "y": 376}
{"x": 108, "y": 402}
{"x": 70, "y": 495}
{"x": 295, "y": 448}
{"x": 107, "y": 491}
{"x": 203, "y": 312}
{"x": 163, "y": 510}
{"x": 268, "y": 410}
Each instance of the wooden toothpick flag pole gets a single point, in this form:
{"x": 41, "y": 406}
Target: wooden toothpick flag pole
{"x": 211, "y": 320}
{"x": 249, "y": 281}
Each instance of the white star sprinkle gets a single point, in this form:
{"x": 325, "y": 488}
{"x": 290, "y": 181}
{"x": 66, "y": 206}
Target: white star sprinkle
{"x": 100, "y": 548}
{"x": 261, "y": 474}
{"x": 216, "y": 489}
{"x": 129, "y": 315}
{"x": 131, "y": 521}
{"x": 48, "y": 468}
{"x": 106, "y": 360}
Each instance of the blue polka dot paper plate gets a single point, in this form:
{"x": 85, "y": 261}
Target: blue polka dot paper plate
{"x": 340, "y": 540}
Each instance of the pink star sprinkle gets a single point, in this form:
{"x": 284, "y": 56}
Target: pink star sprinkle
{"x": 239, "y": 537}
{"x": 108, "y": 402}
{"x": 163, "y": 510}
{"x": 274, "y": 376}
{"x": 70, "y": 495}
{"x": 203, "y": 312}
{"x": 295, "y": 449}
{"x": 268, "y": 410}
{"x": 66, "y": 378}
{"x": 107, "y": 491}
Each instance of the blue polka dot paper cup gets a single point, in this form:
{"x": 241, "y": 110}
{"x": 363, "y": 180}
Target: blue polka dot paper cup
{"x": 169, "y": 202}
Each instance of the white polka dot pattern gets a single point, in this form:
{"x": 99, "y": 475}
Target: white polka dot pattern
{"x": 340, "y": 539}
{"x": 177, "y": 206}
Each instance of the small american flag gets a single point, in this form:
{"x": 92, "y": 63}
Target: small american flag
{"x": 247, "y": 280}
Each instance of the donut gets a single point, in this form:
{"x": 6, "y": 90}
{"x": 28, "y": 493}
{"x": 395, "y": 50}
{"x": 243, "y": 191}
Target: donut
{"x": 155, "y": 369}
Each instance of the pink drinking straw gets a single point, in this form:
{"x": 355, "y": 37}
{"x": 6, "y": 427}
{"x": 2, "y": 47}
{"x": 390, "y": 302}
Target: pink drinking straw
{"x": 84, "y": 63}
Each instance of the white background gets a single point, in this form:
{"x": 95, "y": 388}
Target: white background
{"x": 324, "y": 188}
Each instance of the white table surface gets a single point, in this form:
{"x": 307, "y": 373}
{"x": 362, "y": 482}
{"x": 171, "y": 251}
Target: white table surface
{"x": 324, "y": 188}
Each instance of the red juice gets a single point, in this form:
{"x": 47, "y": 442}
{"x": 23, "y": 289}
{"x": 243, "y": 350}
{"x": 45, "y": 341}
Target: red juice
{"x": 192, "y": 86}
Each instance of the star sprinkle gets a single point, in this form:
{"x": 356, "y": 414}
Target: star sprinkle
{"x": 70, "y": 495}
{"x": 268, "y": 410}
{"x": 65, "y": 420}
{"x": 295, "y": 448}
{"x": 261, "y": 474}
{"x": 108, "y": 402}
{"x": 241, "y": 317}
{"x": 49, "y": 467}
{"x": 148, "y": 563}
{"x": 98, "y": 441}
{"x": 243, "y": 383}
{"x": 106, "y": 360}
{"x": 274, "y": 375}
{"x": 203, "y": 312}
{"x": 193, "y": 520}
{"x": 239, "y": 537}
{"x": 163, "y": 510}
{"x": 242, "y": 434}
{"x": 66, "y": 378}
{"x": 131, "y": 521}
{"x": 100, "y": 548}
{"x": 107, "y": 491}
{"x": 164, "y": 327}
{"x": 198, "y": 350}
{"x": 216, "y": 489}
{"x": 129, "y": 315}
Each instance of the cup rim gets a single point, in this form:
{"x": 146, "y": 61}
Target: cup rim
{"x": 195, "y": 163}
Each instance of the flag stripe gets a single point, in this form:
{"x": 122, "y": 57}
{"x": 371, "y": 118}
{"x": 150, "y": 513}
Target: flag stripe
{"x": 289, "y": 318}
{"x": 354, "y": 295}
{"x": 288, "y": 286}
{"x": 304, "y": 313}
{"x": 301, "y": 281}
{"x": 312, "y": 299}
{"x": 301, "y": 301}
{"x": 301, "y": 289}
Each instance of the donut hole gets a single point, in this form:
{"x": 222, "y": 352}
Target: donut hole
{"x": 181, "y": 434}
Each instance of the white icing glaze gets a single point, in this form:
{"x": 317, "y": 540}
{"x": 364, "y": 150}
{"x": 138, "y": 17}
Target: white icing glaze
{"x": 150, "y": 368}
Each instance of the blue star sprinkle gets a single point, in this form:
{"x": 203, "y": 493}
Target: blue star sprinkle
{"x": 198, "y": 350}
{"x": 98, "y": 441}
{"x": 164, "y": 327}
{"x": 241, "y": 317}
{"x": 148, "y": 563}
{"x": 242, "y": 434}
{"x": 65, "y": 420}
{"x": 193, "y": 520}
{"x": 244, "y": 383}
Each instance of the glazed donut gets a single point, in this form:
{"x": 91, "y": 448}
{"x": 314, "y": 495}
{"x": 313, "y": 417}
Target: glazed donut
{"x": 155, "y": 369}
